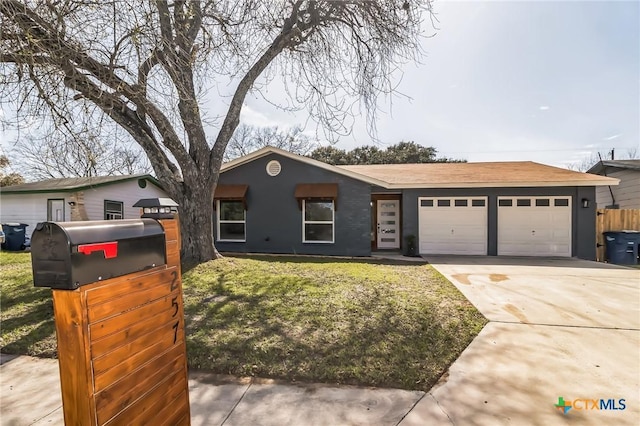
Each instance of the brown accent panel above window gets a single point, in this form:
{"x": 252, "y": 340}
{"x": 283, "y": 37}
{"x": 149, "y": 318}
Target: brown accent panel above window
{"x": 317, "y": 191}
{"x": 232, "y": 192}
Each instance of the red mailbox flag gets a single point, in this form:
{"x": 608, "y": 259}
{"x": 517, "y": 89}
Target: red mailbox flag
{"x": 110, "y": 249}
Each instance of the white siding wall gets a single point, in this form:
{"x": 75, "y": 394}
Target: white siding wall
{"x": 627, "y": 193}
{"x": 29, "y": 208}
{"x": 32, "y": 208}
{"x": 127, "y": 192}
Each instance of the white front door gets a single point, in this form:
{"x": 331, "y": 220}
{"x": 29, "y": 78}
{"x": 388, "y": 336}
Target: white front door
{"x": 534, "y": 226}
{"x": 452, "y": 225}
{"x": 388, "y": 224}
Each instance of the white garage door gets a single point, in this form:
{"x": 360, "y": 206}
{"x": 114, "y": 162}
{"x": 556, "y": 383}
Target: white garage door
{"x": 534, "y": 226}
{"x": 453, "y": 225}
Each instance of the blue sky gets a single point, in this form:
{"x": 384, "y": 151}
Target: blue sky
{"x": 548, "y": 81}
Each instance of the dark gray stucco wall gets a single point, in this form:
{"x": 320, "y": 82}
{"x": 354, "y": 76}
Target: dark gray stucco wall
{"x": 582, "y": 220}
{"x": 585, "y": 223}
{"x": 274, "y": 219}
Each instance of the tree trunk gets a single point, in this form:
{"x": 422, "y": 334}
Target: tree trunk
{"x": 196, "y": 223}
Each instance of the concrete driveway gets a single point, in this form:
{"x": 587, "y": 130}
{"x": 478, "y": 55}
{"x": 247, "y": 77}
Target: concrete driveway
{"x": 558, "y": 328}
{"x": 568, "y": 292}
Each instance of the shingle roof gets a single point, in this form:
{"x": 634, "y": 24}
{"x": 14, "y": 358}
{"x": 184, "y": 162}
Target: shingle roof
{"x": 619, "y": 164}
{"x": 73, "y": 184}
{"x": 445, "y": 175}
{"x": 494, "y": 174}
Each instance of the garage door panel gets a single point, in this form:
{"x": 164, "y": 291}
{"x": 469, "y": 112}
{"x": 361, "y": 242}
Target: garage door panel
{"x": 434, "y": 247}
{"x": 534, "y": 229}
{"x": 468, "y": 231}
{"x": 452, "y": 229}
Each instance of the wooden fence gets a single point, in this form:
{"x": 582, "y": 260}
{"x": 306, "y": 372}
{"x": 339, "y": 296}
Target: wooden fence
{"x": 614, "y": 220}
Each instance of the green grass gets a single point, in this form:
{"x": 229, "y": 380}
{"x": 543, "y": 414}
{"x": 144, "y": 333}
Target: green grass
{"x": 26, "y": 312}
{"x": 303, "y": 319}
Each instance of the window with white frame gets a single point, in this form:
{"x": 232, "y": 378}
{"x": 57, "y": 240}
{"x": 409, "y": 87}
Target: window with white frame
{"x": 232, "y": 218}
{"x": 318, "y": 221}
{"x": 113, "y": 210}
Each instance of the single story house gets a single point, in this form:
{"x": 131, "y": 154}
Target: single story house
{"x": 627, "y": 194}
{"x": 71, "y": 199}
{"x": 273, "y": 201}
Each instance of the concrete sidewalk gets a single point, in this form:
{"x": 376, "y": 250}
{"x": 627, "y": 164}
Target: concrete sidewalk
{"x": 30, "y": 395}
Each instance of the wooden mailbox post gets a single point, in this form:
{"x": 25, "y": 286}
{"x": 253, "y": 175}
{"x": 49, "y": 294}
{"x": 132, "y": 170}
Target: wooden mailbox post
{"x": 121, "y": 340}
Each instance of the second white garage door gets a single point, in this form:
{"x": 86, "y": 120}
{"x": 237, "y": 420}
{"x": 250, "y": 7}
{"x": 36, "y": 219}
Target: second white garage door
{"x": 452, "y": 225}
{"x": 534, "y": 226}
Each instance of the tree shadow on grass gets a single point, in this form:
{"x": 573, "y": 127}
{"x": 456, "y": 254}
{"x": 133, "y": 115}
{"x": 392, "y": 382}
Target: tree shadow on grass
{"x": 364, "y": 338}
{"x": 39, "y": 340}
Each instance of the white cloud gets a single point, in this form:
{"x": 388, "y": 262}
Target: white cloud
{"x": 543, "y": 107}
{"x": 253, "y": 117}
{"x": 612, "y": 137}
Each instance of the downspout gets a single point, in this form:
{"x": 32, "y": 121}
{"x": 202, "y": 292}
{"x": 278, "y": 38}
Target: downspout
{"x": 604, "y": 170}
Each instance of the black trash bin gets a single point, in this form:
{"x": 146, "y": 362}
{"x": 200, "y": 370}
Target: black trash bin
{"x": 622, "y": 247}
{"x": 15, "y": 235}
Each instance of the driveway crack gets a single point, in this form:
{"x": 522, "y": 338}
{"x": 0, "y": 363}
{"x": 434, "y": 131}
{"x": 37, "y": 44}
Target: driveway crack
{"x": 595, "y": 327}
{"x": 441, "y": 409}
{"x": 46, "y": 415}
{"x": 236, "y": 404}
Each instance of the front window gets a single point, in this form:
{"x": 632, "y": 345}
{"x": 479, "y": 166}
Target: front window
{"x": 231, "y": 221}
{"x": 317, "y": 221}
{"x": 113, "y": 210}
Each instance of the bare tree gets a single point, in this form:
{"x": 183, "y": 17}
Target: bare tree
{"x": 146, "y": 65}
{"x": 586, "y": 163}
{"x": 633, "y": 153}
{"x": 247, "y": 139}
{"x": 8, "y": 178}
{"x": 51, "y": 154}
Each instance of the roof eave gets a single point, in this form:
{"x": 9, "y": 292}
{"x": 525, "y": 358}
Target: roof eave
{"x": 66, "y": 189}
{"x": 611, "y": 182}
{"x": 601, "y": 166}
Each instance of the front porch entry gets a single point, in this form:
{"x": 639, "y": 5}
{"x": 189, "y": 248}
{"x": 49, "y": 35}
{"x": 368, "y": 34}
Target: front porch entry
{"x": 385, "y": 221}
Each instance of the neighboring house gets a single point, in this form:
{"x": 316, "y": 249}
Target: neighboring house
{"x": 627, "y": 194}
{"x": 71, "y": 199}
{"x": 272, "y": 201}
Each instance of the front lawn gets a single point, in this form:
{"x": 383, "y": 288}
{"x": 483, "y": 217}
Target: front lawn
{"x": 308, "y": 319}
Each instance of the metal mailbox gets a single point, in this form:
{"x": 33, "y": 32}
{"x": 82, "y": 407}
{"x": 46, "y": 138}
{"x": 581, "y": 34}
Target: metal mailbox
{"x": 119, "y": 316}
{"x": 67, "y": 255}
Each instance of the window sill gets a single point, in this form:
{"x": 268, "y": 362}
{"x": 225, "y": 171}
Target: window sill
{"x": 231, "y": 241}
{"x": 318, "y": 242}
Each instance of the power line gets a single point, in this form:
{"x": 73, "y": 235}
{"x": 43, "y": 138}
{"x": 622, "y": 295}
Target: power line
{"x": 533, "y": 150}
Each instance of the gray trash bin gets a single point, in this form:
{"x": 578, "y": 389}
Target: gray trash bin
{"x": 622, "y": 247}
